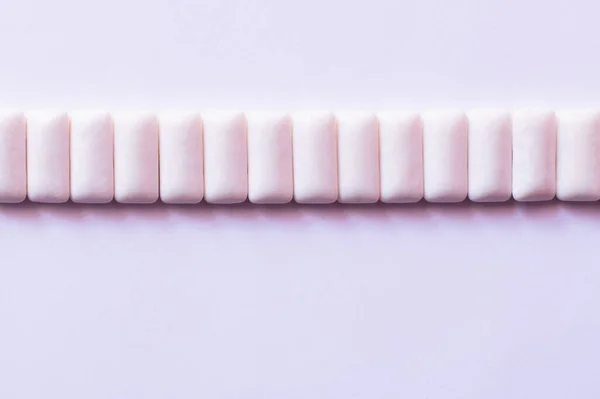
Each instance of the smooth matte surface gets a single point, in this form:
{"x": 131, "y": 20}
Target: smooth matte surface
{"x": 315, "y": 157}
{"x": 578, "y": 155}
{"x": 48, "y": 162}
{"x": 534, "y": 155}
{"x": 270, "y": 169}
{"x": 225, "y": 157}
{"x": 13, "y": 156}
{"x": 490, "y": 155}
{"x": 445, "y": 177}
{"x": 418, "y": 301}
{"x": 358, "y": 157}
{"x": 400, "y": 156}
{"x": 136, "y": 157}
{"x": 92, "y": 157}
{"x": 181, "y": 151}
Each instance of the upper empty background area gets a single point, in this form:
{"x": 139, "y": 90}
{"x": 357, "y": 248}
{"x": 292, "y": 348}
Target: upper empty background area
{"x": 299, "y": 54}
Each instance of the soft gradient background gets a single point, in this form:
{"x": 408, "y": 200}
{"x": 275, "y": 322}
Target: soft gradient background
{"x": 423, "y": 301}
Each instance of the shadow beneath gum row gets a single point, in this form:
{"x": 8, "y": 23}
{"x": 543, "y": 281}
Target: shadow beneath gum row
{"x": 248, "y": 211}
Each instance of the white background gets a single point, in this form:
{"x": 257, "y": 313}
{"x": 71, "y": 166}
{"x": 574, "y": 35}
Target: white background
{"x": 291, "y": 302}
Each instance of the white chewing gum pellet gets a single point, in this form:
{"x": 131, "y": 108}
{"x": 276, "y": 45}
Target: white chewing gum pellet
{"x": 578, "y": 156}
{"x": 181, "y": 158}
{"x": 400, "y": 157}
{"x": 48, "y": 157}
{"x": 490, "y": 155}
{"x": 445, "y": 156}
{"x": 270, "y": 173}
{"x": 315, "y": 158}
{"x": 358, "y": 158}
{"x": 92, "y": 170}
{"x": 136, "y": 157}
{"x": 534, "y": 155}
{"x": 13, "y": 164}
{"x": 225, "y": 157}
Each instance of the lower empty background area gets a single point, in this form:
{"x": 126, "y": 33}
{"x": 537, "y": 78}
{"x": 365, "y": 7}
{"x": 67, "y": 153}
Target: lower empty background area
{"x": 422, "y": 301}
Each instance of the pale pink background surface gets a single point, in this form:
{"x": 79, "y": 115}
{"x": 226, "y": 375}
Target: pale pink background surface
{"x": 419, "y": 301}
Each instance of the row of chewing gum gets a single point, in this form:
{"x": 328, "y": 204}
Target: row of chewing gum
{"x": 227, "y": 157}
